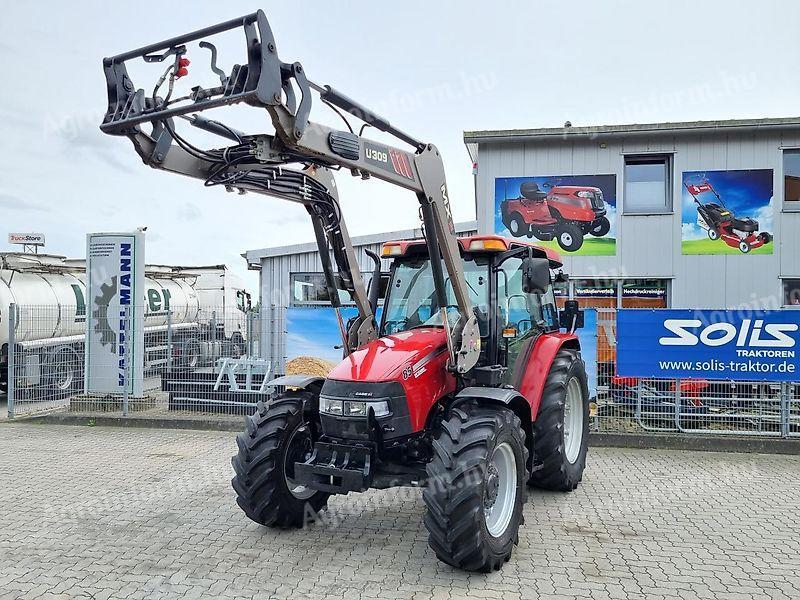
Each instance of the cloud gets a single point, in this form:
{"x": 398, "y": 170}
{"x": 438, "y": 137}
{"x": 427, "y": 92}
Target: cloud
{"x": 189, "y": 212}
{"x": 80, "y": 133}
{"x": 764, "y": 216}
{"x": 692, "y": 231}
{"x": 12, "y": 202}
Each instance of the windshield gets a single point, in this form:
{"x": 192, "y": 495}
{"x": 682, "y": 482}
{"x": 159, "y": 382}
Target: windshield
{"x": 411, "y": 298}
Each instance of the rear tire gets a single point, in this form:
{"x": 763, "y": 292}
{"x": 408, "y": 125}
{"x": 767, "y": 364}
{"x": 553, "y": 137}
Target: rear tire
{"x": 264, "y": 466}
{"x": 569, "y": 236}
{"x": 713, "y": 234}
{"x": 476, "y": 487}
{"x": 559, "y": 458}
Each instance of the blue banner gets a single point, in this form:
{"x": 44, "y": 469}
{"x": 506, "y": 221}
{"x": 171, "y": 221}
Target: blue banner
{"x": 708, "y": 344}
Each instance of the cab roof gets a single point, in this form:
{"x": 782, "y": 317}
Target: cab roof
{"x": 474, "y": 244}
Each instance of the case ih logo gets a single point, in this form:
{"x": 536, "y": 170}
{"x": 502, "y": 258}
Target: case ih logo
{"x": 389, "y": 159}
{"x": 750, "y": 334}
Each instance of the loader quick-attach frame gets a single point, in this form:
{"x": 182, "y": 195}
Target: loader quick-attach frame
{"x": 256, "y": 161}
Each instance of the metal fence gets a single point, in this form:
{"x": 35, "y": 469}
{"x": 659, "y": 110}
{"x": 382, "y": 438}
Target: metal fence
{"x": 211, "y": 361}
{"x": 218, "y": 364}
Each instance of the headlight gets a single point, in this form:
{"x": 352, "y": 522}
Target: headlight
{"x": 353, "y": 408}
{"x": 331, "y": 407}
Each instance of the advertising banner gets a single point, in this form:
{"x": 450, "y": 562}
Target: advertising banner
{"x": 573, "y": 214}
{"x": 587, "y": 335}
{"x": 114, "y": 283}
{"x": 727, "y": 212}
{"x": 708, "y": 344}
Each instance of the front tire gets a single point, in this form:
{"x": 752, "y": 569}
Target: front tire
{"x": 561, "y": 428}
{"x": 517, "y": 225}
{"x": 476, "y": 487}
{"x": 569, "y": 236}
{"x": 600, "y": 227}
{"x": 274, "y": 439}
{"x": 713, "y": 234}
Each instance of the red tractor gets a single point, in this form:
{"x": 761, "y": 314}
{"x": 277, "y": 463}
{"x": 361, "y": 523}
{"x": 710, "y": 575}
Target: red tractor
{"x": 565, "y": 212}
{"x": 467, "y": 387}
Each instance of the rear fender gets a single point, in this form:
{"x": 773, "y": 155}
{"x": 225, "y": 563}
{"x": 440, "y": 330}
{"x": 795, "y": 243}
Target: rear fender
{"x": 540, "y": 357}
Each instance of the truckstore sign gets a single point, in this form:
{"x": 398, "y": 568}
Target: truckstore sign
{"x": 114, "y": 284}
{"x": 708, "y": 344}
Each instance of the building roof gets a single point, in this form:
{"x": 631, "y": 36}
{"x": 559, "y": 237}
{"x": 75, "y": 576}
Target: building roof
{"x": 254, "y": 257}
{"x": 608, "y": 131}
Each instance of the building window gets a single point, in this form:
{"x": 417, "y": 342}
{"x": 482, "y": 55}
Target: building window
{"x": 648, "y": 184}
{"x": 791, "y": 179}
{"x": 308, "y": 289}
{"x": 791, "y": 292}
{"x": 644, "y": 293}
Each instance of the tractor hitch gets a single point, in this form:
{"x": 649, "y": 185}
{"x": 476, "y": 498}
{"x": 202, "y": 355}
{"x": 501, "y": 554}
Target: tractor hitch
{"x": 337, "y": 468}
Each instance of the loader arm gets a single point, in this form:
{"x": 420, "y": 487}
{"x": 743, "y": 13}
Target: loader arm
{"x": 256, "y": 162}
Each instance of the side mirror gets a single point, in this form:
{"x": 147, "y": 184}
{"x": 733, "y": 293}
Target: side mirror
{"x": 535, "y": 275}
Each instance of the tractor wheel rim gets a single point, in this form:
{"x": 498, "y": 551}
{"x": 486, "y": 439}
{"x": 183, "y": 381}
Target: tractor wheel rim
{"x": 514, "y": 226}
{"x": 500, "y": 494}
{"x": 298, "y": 448}
{"x": 573, "y": 421}
{"x": 566, "y": 239}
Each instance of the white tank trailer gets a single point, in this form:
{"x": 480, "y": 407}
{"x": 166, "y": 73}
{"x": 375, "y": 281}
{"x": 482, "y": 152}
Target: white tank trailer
{"x": 203, "y": 307}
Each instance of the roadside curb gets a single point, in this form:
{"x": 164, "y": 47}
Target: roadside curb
{"x": 138, "y": 422}
{"x": 701, "y": 443}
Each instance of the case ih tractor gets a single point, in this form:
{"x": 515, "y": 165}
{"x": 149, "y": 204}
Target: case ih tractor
{"x": 467, "y": 387}
{"x": 565, "y": 212}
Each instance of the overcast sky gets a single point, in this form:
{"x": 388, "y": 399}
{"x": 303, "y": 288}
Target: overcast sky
{"x": 434, "y": 69}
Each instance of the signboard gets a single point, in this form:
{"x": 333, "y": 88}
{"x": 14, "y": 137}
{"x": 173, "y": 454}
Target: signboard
{"x": 114, "y": 284}
{"x": 727, "y": 212}
{"x": 708, "y": 344}
{"x": 587, "y": 336}
{"x": 26, "y": 239}
{"x": 573, "y": 214}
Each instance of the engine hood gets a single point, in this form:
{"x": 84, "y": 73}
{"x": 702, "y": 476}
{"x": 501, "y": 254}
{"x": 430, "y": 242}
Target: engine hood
{"x": 385, "y": 358}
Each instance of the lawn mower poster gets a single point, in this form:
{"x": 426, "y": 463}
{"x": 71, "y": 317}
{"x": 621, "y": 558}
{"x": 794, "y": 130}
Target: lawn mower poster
{"x": 575, "y": 214}
{"x": 727, "y": 212}
{"x": 708, "y": 344}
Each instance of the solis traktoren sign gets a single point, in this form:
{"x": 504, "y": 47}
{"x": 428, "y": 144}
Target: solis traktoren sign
{"x": 709, "y": 344}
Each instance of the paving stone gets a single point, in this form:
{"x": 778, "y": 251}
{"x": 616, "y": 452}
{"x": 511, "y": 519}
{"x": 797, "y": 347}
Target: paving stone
{"x": 133, "y": 513}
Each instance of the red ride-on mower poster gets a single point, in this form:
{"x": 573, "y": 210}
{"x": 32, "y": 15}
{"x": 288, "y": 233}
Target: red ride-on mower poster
{"x": 727, "y": 212}
{"x": 574, "y": 214}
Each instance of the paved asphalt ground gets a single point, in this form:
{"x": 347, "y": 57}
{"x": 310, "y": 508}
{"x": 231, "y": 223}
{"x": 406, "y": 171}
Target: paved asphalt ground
{"x": 133, "y": 513}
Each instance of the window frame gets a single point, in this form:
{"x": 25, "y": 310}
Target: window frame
{"x": 784, "y": 296}
{"x": 385, "y": 275}
{"x": 793, "y": 206}
{"x": 669, "y": 192}
{"x": 618, "y": 283}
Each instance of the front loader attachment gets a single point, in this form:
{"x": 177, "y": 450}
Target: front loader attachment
{"x": 294, "y": 162}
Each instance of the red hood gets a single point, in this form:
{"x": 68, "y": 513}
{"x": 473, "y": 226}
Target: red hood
{"x": 385, "y": 358}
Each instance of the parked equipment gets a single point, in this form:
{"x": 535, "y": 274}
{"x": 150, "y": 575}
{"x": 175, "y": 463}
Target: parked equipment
{"x": 720, "y": 223}
{"x": 565, "y": 212}
{"x": 50, "y": 296}
{"x": 452, "y": 390}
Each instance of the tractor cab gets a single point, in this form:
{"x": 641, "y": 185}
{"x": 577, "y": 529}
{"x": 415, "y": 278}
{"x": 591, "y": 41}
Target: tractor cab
{"x": 508, "y": 311}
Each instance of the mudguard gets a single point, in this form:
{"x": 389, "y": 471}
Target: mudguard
{"x": 296, "y": 381}
{"x": 501, "y": 395}
{"x": 539, "y": 357}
